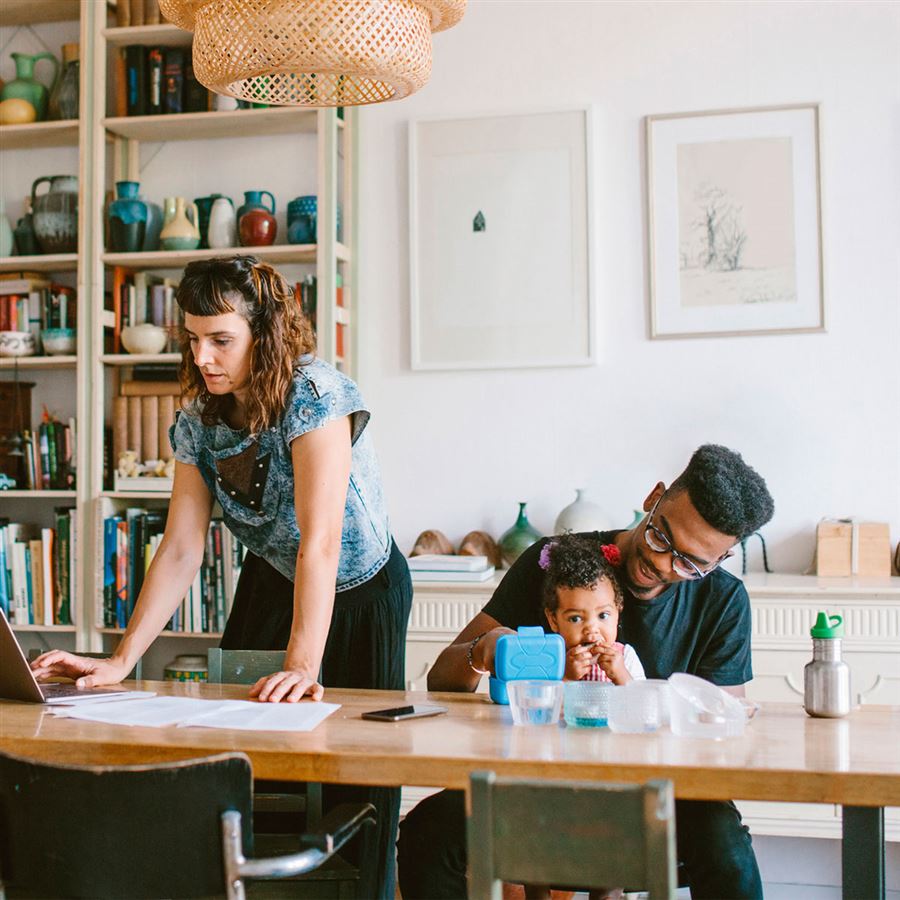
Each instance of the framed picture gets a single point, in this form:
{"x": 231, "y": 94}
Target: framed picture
{"x": 499, "y": 237}
{"x": 735, "y": 224}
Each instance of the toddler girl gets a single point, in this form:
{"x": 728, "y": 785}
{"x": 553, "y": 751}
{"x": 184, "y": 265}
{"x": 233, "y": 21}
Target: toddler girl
{"x": 582, "y": 602}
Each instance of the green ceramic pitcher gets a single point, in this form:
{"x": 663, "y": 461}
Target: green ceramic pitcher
{"x": 26, "y": 87}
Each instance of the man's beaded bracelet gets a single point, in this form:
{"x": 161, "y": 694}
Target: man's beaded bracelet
{"x": 469, "y": 658}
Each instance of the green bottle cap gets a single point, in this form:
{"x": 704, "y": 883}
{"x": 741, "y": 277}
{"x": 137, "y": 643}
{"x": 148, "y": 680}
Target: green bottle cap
{"x": 827, "y": 626}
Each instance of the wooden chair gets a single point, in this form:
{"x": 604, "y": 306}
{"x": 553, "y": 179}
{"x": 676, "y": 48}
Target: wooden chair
{"x": 570, "y": 833}
{"x": 178, "y": 829}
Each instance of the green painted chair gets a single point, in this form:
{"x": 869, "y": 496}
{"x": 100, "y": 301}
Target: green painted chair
{"x": 177, "y": 829}
{"x": 281, "y": 810}
{"x": 584, "y": 834}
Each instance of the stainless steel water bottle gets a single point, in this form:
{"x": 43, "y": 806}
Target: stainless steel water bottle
{"x": 826, "y": 680}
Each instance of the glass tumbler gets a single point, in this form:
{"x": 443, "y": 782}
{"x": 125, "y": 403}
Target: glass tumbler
{"x": 535, "y": 702}
{"x": 636, "y": 707}
{"x": 586, "y": 703}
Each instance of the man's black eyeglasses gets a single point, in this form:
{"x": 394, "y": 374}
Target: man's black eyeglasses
{"x": 683, "y": 567}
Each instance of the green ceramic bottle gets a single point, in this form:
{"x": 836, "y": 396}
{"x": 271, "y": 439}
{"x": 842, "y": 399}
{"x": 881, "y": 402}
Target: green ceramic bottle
{"x": 518, "y": 538}
{"x": 26, "y": 87}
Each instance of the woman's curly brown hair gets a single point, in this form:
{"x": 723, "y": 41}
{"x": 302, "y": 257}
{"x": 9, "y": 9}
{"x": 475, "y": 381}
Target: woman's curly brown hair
{"x": 281, "y": 333}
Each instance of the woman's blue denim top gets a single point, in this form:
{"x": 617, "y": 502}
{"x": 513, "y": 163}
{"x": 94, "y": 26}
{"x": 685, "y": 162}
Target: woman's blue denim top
{"x": 252, "y": 477}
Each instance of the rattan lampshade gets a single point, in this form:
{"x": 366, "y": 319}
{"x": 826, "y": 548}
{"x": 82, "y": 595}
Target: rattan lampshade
{"x": 313, "y": 52}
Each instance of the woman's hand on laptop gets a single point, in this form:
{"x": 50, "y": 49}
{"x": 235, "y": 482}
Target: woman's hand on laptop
{"x": 86, "y": 671}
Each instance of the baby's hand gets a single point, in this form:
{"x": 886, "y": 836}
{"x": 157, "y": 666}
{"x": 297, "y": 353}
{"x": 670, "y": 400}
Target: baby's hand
{"x": 611, "y": 660}
{"x": 579, "y": 660}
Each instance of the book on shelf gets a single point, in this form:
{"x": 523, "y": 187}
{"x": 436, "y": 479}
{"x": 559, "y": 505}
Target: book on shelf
{"x": 447, "y": 562}
{"x": 36, "y": 569}
{"x": 154, "y": 81}
{"x": 136, "y": 77}
{"x": 151, "y": 12}
{"x": 137, "y": 11}
{"x": 173, "y": 80}
{"x": 449, "y": 575}
{"x": 129, "y": 545}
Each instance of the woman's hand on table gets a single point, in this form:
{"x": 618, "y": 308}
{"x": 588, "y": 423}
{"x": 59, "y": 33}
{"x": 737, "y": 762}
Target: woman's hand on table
{"x": 86, "y": 671}
{"x": 289, "y": 686}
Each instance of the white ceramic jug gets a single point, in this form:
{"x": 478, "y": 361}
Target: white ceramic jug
{"x": 222, "y": 230}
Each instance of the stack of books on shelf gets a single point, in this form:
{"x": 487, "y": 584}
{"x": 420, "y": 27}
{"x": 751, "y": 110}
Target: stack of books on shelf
{"x": 141, "y": 417}
{"x": 37, "y": 570}
{"x": 447, "y": 567}
{"x": 129, "y": 544}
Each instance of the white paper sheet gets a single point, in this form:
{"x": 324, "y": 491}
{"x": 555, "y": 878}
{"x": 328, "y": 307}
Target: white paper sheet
{"x": 246, "y": 715}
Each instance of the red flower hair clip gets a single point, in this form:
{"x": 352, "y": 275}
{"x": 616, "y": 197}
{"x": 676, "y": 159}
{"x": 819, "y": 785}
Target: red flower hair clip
{"x": 612, "y": 554}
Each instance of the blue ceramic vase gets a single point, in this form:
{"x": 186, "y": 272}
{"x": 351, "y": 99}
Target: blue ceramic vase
{"x": 301, "y": 216}
{"x": 254, "y": 200}
{"x": 128, "y": 217}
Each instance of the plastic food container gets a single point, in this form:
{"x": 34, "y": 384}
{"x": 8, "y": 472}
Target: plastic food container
{"x": 535, "y": 702}
{"x": 638, "y": 707}
{"x": 586, "y": 703}
{"x": 702, "y": 709}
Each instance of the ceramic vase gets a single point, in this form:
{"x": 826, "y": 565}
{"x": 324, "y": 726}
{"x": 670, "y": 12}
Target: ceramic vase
{"x": 56, "y": 214}
{"x": 181, "y": 233}
{"x": 581, "y": 515}
{"x": 204, "y": 208}
{"x": 64, "y": 100}
{"x": 255, "y": 200}
{"x": 26, "y": 87}
{"x": 222, "y": 231}
{"x": 519, "y": 538}
{"x": 257, "y": 228}
{"x": 301, "y": 217}
{"x": 154, "y": 226}
{"x": 127, "y": 219}
{"x": 6, "y": 234}
{"x": 25, "y": 238}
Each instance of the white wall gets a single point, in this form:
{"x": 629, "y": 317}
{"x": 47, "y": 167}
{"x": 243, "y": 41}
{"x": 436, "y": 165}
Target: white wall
{"x": 818, "y": 415}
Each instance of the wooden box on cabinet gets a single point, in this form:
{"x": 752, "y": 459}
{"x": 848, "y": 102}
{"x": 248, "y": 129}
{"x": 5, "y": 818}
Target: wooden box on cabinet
{"x": 834, "y": 548}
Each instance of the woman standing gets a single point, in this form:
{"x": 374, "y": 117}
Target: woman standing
{"x": 278, "y": 438}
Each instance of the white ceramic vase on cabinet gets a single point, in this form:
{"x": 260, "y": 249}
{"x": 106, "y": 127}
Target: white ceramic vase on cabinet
{"x": 581, "y": 515}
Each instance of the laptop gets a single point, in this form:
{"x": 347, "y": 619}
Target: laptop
{"x": 17, "y": 681}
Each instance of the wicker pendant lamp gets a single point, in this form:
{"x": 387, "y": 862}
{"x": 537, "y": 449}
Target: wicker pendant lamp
{"x": 313, "y": 52}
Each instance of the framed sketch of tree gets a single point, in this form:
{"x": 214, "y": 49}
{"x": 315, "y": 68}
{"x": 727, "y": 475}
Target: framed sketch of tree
{"x": 735, "y": 224}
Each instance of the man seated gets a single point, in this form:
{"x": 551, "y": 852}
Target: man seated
{"x": 681, "y": 613}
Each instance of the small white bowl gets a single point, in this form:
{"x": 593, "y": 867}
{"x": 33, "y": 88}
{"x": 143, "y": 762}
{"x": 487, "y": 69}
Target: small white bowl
{"x": 58, "y": 341}
{"x": 144, "y": 338}
{"x": 17, "y": 343}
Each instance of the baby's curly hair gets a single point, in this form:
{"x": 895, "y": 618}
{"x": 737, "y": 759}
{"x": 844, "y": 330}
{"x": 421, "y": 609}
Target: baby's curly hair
{"x": 576, "y": 562}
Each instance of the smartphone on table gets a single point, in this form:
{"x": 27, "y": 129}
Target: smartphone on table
{"x": 399, "y": 713}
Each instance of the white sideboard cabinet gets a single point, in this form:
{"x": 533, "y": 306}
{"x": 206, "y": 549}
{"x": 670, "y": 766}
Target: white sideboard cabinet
{"x": 784, "y": 609}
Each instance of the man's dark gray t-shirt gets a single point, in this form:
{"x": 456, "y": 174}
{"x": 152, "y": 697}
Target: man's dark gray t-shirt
{"x": 699, "y": 627}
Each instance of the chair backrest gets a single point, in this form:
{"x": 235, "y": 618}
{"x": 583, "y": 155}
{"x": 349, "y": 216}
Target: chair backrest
{"x": 570, "y": 834}
{"x": 242, "y": 666}
{"x": 123, "y": 831}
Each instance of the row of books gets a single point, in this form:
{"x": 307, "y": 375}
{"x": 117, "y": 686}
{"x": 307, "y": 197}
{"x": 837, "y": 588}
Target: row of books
{"x": 141, "y": 423}
{"x": 157, "y": 81}
{"x": 130, "y": 542}
{"x": 32, "y": 304}
{"x": 136, "y": 298}
{"x": 305, "y": 293}
{"x": 49, "y": 460}
{"x": 37, "y": 570}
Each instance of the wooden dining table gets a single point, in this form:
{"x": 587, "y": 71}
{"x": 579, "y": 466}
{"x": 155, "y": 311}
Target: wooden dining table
{"x": 784, "y": 755}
